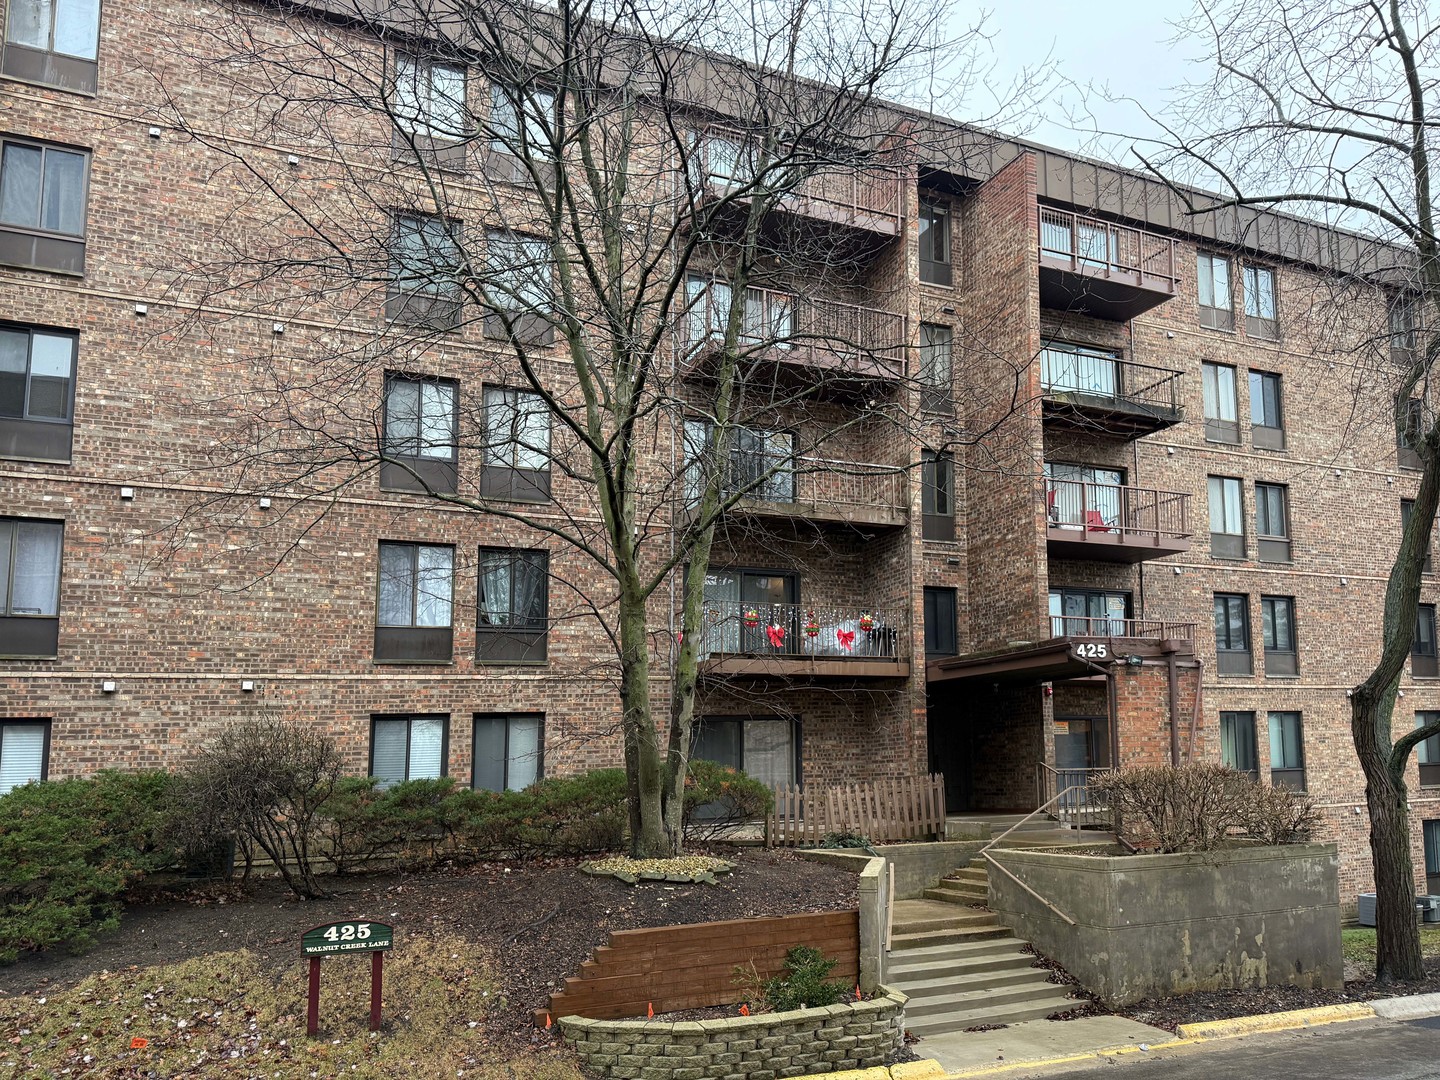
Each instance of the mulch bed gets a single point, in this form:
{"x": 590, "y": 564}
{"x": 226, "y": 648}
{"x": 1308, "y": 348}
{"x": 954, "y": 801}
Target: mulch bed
{"x": 539, "y": 919}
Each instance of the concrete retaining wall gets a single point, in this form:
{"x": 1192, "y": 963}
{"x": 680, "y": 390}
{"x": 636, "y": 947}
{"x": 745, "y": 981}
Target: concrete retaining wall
{"x": 1160, "y": 925}
{"x": 921, "y": 866}
{"x": 858, "y": 1034}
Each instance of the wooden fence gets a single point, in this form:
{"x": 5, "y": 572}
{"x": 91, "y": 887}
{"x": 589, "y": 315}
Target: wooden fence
{"x": 901, "y": 808}
{"x": 689, "y": 967}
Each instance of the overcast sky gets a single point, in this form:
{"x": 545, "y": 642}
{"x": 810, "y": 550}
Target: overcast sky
{"x": 1122, "y": 44}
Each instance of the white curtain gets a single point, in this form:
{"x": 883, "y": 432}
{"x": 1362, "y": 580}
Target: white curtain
{"x": 22, "y": 754}
{"x": 63, "y": 200}
{"x": 770, "y": 751}
{"x": 523, "y": 764}
{"x": 427, "y": 739}
{"x": 36, "y": 587}
{"x": 388, "y": 752}
{"x": 432, "y": 586}
{"x": 77, "y": 27}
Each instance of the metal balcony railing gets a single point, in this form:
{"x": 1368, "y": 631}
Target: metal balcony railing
{"x": 1098, "y": 248}
{"x": 1081, "y": 377}
{"x": 1109, "y": 512}
{"x": 804, "y": 631}
{"x": 814, "y": 481}
{"x": 1103, "y": 626}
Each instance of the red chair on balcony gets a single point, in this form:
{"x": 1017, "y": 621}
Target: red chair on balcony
{"x": 1095, "y": 522}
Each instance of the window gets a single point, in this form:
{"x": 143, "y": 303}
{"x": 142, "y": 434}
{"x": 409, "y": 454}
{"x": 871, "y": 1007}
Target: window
{"x": 426, "y": 268}
{"x": 1287, "y": 751}
{"x": 934, "y": 242}
{"x": 1079, "y": 369}
{"x": 1088, "y": 613}
{"x": 1407, "y": 507}
{"x": 513, "y": 610}
{"x": 420, "y": 434}
{"x": 940, "y": 622}
{"x": 1431, "y": 830}
{"x": 1272, "y": 522}
{"x": 515, "y": 149}
{"x": 1423, "y": 662}
{"x": 508, "y": 752}
{"x": 408, "y": 748}
{"x": 1084, "y": 497}
{"x": 764, "y": 749}
{"x": 1260, "y": 319}
{"x": 937, "y": 495}
{"x": 1237, "y": 742}
{"x": 37, "y": 390}
{"x": 53, "y": 42}
{"x": 1232, "y": 634}
{"x": 1218, "y": 386}
{"x": 1277, "y": 631}
{"x": 1267, "y": 424}
{"x": 1402, "y": 309}
{"x": 24, "y": 752}
{"x": 518, "y": 280}
{"x": 412, "y": 620}
{"x": 1409, "y": 434}
{"x": 1212, "y": 281}
{"x": 936, "y": 371}
{"x": 429, "y": 109}
{"x": 761, "y": 463}
{"x": 517, "y": 446}
{"x": 1227, "y": 526}
{"x": 1427, "y": 753}
{"x": 30, "y": 587}
{"x": 42, "y": 206}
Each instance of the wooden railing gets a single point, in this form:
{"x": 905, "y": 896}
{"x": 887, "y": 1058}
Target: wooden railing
{"x": 1103, "y": 626}
{"x": 1067, "y": 793}
{"x": 1103, "y": 249}
{"x": 902, "y": 808}
{"x": 1134, "y": 513}
{"x": 805, "y": 631}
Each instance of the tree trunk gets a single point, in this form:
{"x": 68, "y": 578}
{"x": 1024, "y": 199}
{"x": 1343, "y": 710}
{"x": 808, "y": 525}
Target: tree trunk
{"x": 644, "y": 764}
{"x": 1397, "y": 938}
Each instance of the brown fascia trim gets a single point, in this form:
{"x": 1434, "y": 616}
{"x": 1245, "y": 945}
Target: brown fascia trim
{"x": 965, "y": 155}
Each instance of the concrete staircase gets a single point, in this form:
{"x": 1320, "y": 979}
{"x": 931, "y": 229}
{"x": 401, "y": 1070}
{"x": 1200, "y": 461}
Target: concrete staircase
{"x": 959, "y": 967}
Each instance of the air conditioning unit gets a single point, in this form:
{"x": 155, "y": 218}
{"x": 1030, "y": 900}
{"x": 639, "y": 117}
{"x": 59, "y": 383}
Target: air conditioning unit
{"x": 1427, "y": 906}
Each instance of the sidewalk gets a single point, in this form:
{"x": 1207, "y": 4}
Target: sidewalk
{"x": 1070, "y": 1042}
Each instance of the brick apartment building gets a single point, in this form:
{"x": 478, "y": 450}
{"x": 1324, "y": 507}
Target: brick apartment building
{"x": 1009, "y": 613}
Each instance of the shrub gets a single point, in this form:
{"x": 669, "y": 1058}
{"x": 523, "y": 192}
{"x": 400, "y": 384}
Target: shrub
{"x": 69, "y": 850}
{"x": 1201, "y": 806}
{"x": 803, "y": 982}
{"x": 845, "y": 838}
{"x": 359, "y": 825}
{"x": 269, "y": 782}
{"x": 717, "y": 798}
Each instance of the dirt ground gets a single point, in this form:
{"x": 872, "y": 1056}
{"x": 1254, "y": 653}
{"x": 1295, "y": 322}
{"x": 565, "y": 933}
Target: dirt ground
{"x": 537, "y": 919}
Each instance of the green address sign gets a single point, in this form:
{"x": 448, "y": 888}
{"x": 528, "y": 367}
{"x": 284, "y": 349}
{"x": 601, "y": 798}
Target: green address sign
{"x": 343, "y": 937}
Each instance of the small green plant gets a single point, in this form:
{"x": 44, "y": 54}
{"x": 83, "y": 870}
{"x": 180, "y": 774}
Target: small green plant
{"x": 804, "y": 982}
{"x": 845, "y": 838}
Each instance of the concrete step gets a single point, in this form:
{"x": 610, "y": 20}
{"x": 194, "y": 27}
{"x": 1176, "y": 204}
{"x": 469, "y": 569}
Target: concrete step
{"x": 961, "y": 896}
{"x": 968, "y": 950}
{"x": 950, "y": 983}
{"x": 1037, "y": 1008}
{"x": 970, "y": 996}
{"x": 948, "y": 937}
{"x": 915, "y": 966}
{"x": 972, "y": 873}
{"x": 919, "y": 916}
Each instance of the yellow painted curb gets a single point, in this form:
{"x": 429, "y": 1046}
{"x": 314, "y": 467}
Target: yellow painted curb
{"x": 1281, "y": 1021}
{"x": 929, "y": 1069}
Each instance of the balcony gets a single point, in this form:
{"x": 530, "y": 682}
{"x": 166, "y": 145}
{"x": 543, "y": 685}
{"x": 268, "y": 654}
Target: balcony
{"x": 798, "y": 332}
{"x": 1079, "y": 626}
{"x": 1097, "y": 392}
{"x": 1111, "y": 523}
{"x": 824, "y": 641}
{"x": 865, "y": 200}
{"x": 1097, "y": 268}
{"x": 821, "y": 490}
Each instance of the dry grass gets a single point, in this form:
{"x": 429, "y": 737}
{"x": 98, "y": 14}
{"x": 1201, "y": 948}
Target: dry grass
{"x": 237, "y": 1014}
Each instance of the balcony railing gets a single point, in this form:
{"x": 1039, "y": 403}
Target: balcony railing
{"x": 830, "y": 632}
{"x": 1098, "y": 267}
{"x": 1092, "y": 384}
{"x": 865, "y": 197}
{"x": 820, "y": 487}
{"x": 1111, "y": 521}
{"x": 802, "y": 330}
{"x": 1103, "y": 626}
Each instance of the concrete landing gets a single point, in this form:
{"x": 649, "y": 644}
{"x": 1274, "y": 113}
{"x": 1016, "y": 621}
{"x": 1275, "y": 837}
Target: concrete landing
{"x": 1037, "y": 1040}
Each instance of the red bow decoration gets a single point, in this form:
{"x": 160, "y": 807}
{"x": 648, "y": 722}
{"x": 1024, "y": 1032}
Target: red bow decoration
{"x": 846, "y": 639}
{"x": 776, "y": 634}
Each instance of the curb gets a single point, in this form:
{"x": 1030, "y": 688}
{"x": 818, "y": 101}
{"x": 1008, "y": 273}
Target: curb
{"x": 926, "y": 1069}
{"x": 1281, "y": 1021}
{"x": 1416, "y": 1007}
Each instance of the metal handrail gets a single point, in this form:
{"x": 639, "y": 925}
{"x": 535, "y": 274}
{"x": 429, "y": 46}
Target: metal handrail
{"x": 1096, "y": 375}
{"x": 1111, "y": 627}
{"x": 1108, "y": 510}
{"x": 984, "y": 853}
{"x": 1104, "y": 249}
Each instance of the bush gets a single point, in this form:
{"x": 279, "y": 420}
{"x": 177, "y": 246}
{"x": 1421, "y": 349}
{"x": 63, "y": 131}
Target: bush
{"x": 566, "y": 815}
{"x": 1202, "y": 806}
{"x": 803, "y": 983}
{"x": 717, "y": 798}
{"x": 845, "y": 838}
{"x": 69, "y": 849}
{"x": 268, "y": 782}
{"x": 359, "y": 825}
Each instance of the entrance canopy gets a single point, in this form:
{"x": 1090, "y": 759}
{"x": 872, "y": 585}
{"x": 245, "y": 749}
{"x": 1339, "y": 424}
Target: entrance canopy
{"x": 1056, "y": 660}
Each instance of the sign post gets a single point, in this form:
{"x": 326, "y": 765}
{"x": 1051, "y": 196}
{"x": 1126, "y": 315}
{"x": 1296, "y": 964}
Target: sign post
{"x": 330, "y": 939}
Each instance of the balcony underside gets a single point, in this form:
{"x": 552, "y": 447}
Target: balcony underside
{"x": 1110, "y": 544}
{"x": 1103, "y": 415}
{"x": 871, "y": 517}
{"x": 806, "y": 362}
{"x": 803, "y": 667}
{"x": 856, "y": 229}
{"x": 1114, "y": 295}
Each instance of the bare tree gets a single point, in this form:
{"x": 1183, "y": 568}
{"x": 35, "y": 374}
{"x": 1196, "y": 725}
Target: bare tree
{"x": 647, "y": 216}
{"x": 1326, "y": 108}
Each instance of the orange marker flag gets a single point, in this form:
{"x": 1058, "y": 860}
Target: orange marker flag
{"x": 744, "y": 1010}
{"x": 857, "y": 993}
{"x": 137, "y": 1043}
{"x": 650, "y": 1011}
{"x": 547, "y": 1021}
